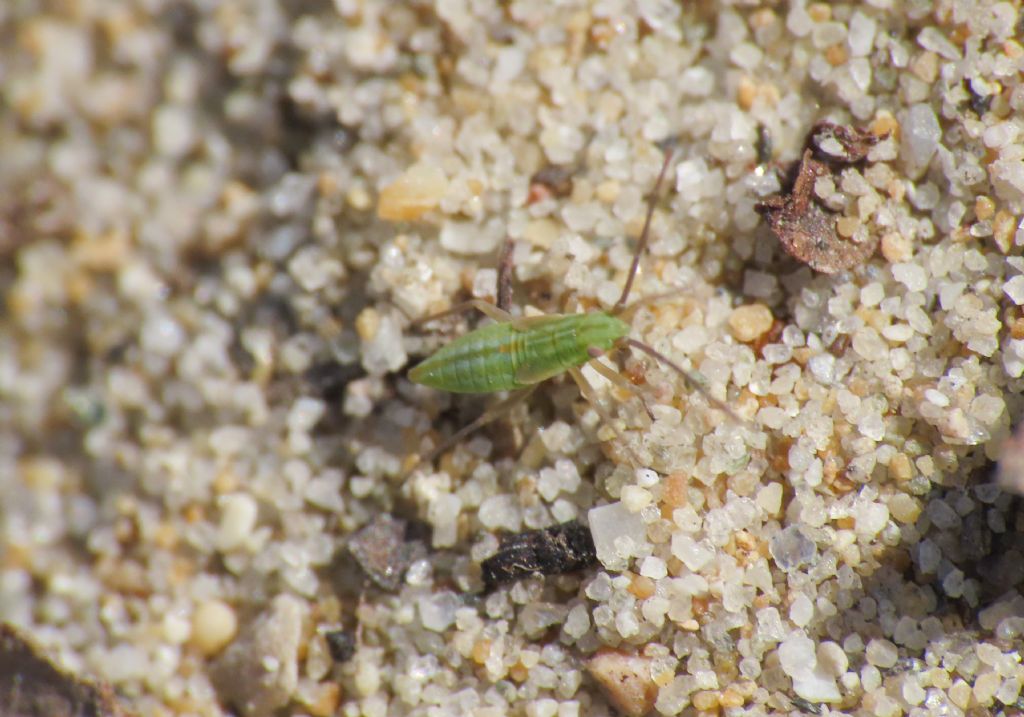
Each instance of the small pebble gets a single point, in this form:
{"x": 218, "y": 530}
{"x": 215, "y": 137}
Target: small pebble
{"x": 417, "y": 191}
{"x": 750, "y": 322}
{"x": 881, "y": 653}
{"x": 214, "y": 625}
{"x": 625, "y": 680}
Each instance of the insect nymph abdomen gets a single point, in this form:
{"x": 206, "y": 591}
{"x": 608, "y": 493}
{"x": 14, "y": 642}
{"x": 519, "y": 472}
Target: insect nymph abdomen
{"x": 519, "y": 353}
{"x": 478, "y": 362}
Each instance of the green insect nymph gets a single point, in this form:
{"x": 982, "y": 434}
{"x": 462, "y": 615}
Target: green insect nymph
{"x": 519, "y": 353}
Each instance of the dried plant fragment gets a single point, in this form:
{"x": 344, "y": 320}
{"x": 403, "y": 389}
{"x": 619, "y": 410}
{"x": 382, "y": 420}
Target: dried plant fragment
{"x": 557, "y": 549}
{"x": 807, "y": 230}
{"x": 341, "y": 644}
{"x": 843, "y": 145}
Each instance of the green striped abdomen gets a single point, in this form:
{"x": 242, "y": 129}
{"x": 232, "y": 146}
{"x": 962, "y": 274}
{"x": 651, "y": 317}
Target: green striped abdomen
{"x": 515, "y": 354}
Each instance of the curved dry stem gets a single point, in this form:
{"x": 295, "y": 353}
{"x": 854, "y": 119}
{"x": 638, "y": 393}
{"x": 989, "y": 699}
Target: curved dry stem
{"x": 641, "y": 244}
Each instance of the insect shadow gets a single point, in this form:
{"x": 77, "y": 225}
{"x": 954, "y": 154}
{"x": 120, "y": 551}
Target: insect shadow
{"x": 518, "y": 353}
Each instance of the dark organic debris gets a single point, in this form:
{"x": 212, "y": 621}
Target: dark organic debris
{"x": 764, "y": 145}
{"x": 384, "y": 552}
{"x": 30, "y": 685}
{"x": 551, "y": 180}
{"x": 842, "y": 145}
{"x": 341, "y": 645}
{"x": 329, "y": 379}
{"x": 807, "y": 230}
{"x": 554, "y": 550}
{"x": 978, "y": 103}
{"x": 806, "y": 706}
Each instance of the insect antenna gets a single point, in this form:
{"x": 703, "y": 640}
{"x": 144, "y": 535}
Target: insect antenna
{"x": 690, "y": 378}
{"x": 641, "y": 244}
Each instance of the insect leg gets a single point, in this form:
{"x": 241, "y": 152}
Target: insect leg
{"x": 621, "y": 381}
{"x": 641, "y": 244}
{"x": 690, "y": 378}
{"x": 493, "y": 412}
{"x": 588, "y": 393}
{"x": 489, "y": 310}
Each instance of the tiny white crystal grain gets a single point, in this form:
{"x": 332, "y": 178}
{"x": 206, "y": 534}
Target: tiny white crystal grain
{"x": 987, "y": 408}
{"x": 175, "y": 628}
{"x": 942, "y": 515}
{"x": 163, "y": 335}
{"x": 174, "y": 130}
{"x": 798, "y": 22}
{"x": 791, "y": 548}
{"x": 305, "y": 413}
{"x": 833, "y": 658}
{"x": 801, "y": 611}
{"x": 697, "y": 82}
{"x": 536, "y": 617}
{"x": 1000, "y": 134}
{"x": 653, "y": 567}
{"x": 600, "y": 588}
{"x": 470, "y": 237}
{"x": 1008, "y": 691}
{"x": 746, "y": 55}
{"x": 932, "y": 38}
{"x": 1013, "y": 358}
{"x": 870, "y": 518}
{"x": 769, "y": 498}
{"x": 822, "y": 367}
{"x": 1014, "y": 288}
{"x": 214, "y": 625}
{"x": 577, "y": 622}
{"x": 384, "y": 352}
{"x": 898, "y": 333}
{"x": 869, "y": 345}
{"x": 920, "y": 137}
{"x": 777, "y": 353}
{"x": 695, "y": 555}
{"x": 798, "y": 660}
{"x": 500, "y": 512}
{"x": 615, "y": 528}
{"x": 437, "y": 611}
{"x": 647, "y": 478}
{"x": 237, "y": 519}
{"x": 912, "y": 276}
{"x": 881, "y": 653}
{"x": 313, "y": 270}
{"x": 953, "y": 583}
{"x": 443, "y": 514}
{"x": 912, "y": 691}
{"x": 872, "y": 294}
{"x": 861, "y": 35}
{"x": 928, "y": 556}
{"x": 635, "y": 498}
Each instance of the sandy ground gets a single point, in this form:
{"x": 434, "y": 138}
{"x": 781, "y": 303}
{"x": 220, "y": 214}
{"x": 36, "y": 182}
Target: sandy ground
{"x": 218, "y": 222}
